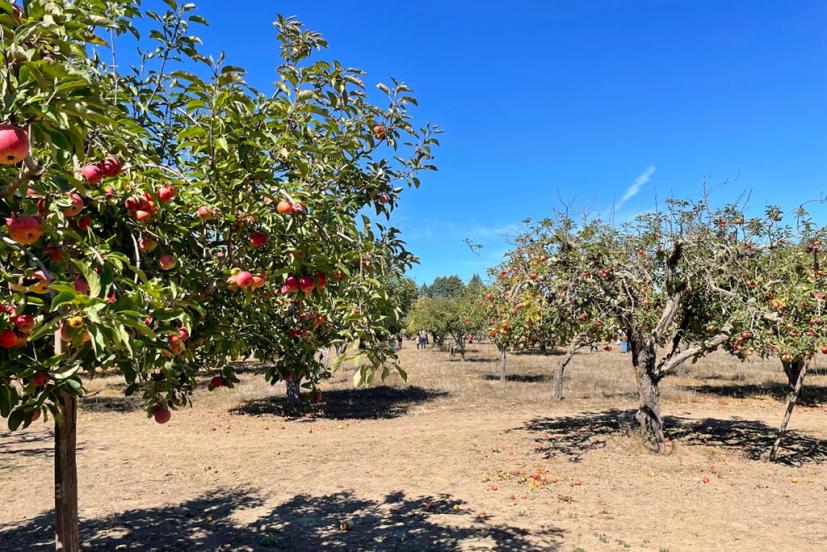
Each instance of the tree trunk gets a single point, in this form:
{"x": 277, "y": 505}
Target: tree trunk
{"x": 462, "y": 349}
{"x": 294, "y": 393}
{"x": 795, "y": 371}
{"x": 66, "y": 476}
{"x": 557, "y": 390}
{"x": 648, "y": 415}
{"x": 503, "y": 352}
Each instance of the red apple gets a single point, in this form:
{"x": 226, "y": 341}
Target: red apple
{"x": 217, "y": 381}
{"x": 321, "y": 280}
{"x": 25, "y": 230}
{"x": 35, "y": 416}
{"x": 285, "y": 207}
{"x": 14, "y": 144}
{"x": 162, "y": 414}
{"x": 205, "y": 212}
{"x": 24, "y": 322}
{"x": 40, "y": 378}
{"x": 243, "y": 279}
{"x": 8, "y": 339}
{"x": 380, "y": 132}
{"x": 298, "y": 208}
{"x": 183, "y": 333}
{"x": 231, "y": 283}
{"x": 258, "y": 239}
{"x": 176, "y": 344}
{"x": 291, "y": 284}
{"x": 288, "y": 375}
{"x": 167, "y": 262}
{"x": 110, "y": 167}
{"x": 258, "y": 281}
{"x": 306, "y": 284}
{"x": 84, "y": 223}
{"x": 147, "y": 244}
{"x": 317, "y": 396}
{"x": 384, "y": 198}
{"x": 91, "y": 173}
{"x": 76, "y": 207}
{"x": 143, "y": 216}
{"x": 167, "y": 192}
{"x": 81, "y": 285}
{"x": 65, "y": 332}
{"x": 54, "y": 252}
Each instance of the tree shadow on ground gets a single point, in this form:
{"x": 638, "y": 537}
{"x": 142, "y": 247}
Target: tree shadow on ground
{"x": 340, "y": 521}
{"x": 811, "y": 395}
{"x": 537, "y": 352}
{"x": 18, "y": 445}
{"x": 572, "y": 437}
{"x": 456, "y": 358}
{"x": 520, "y": 378}
{"x": 343, "y": 404}
{"x": 120, "y": 404}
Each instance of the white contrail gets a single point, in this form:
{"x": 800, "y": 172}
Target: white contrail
{"x": 636, "y": 185}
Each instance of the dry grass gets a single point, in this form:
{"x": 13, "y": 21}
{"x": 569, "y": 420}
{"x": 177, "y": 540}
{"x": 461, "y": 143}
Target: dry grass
{"x": 452, "y": 460}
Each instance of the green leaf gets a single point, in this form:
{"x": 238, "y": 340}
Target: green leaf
{"x": 8, "y": 400}
{"x": 16, "y": 418}
{"x": 62, "y": 298}
{"x": 91, "y": 277}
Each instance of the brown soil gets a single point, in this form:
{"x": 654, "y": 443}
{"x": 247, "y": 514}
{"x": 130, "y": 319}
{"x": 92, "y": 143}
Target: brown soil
{"x": 454, "y": 460}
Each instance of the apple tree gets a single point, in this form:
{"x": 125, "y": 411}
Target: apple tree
{"x": 547, "y": 268}
{"x": 665, "y": 280}
{"x": 783, "y": 293}
{"x": 159, "y": 223}
{"x": 517, "y": 309}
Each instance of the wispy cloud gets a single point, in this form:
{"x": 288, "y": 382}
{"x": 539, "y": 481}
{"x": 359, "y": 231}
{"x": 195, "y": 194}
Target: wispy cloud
{"x": 636, "y": 185}
{"x": 439, "y": 229}
{"x": 501, "y": 231}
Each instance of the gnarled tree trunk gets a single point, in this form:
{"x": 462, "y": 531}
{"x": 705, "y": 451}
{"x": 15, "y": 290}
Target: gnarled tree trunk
{"x": 557, "y": 389}
{"x": 67, "y": 538}
{"x": 795, "y": 370}
{"x": 648, "y": 416}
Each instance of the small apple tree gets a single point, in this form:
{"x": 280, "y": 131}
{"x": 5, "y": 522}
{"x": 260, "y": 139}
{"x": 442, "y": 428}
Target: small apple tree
{"x": 547, "y": 273}
{"x": 783, "y": 292}
{"x": 516, "y": 307}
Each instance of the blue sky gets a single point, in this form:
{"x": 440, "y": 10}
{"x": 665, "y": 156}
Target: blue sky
{"x": 584, "y": 101}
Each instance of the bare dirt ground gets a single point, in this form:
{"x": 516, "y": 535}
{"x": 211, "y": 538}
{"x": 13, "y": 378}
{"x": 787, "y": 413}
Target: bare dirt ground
{"x": 452, "y": 460}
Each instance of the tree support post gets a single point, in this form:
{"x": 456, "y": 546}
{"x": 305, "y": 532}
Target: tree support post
{"x": 67, "y": 538}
